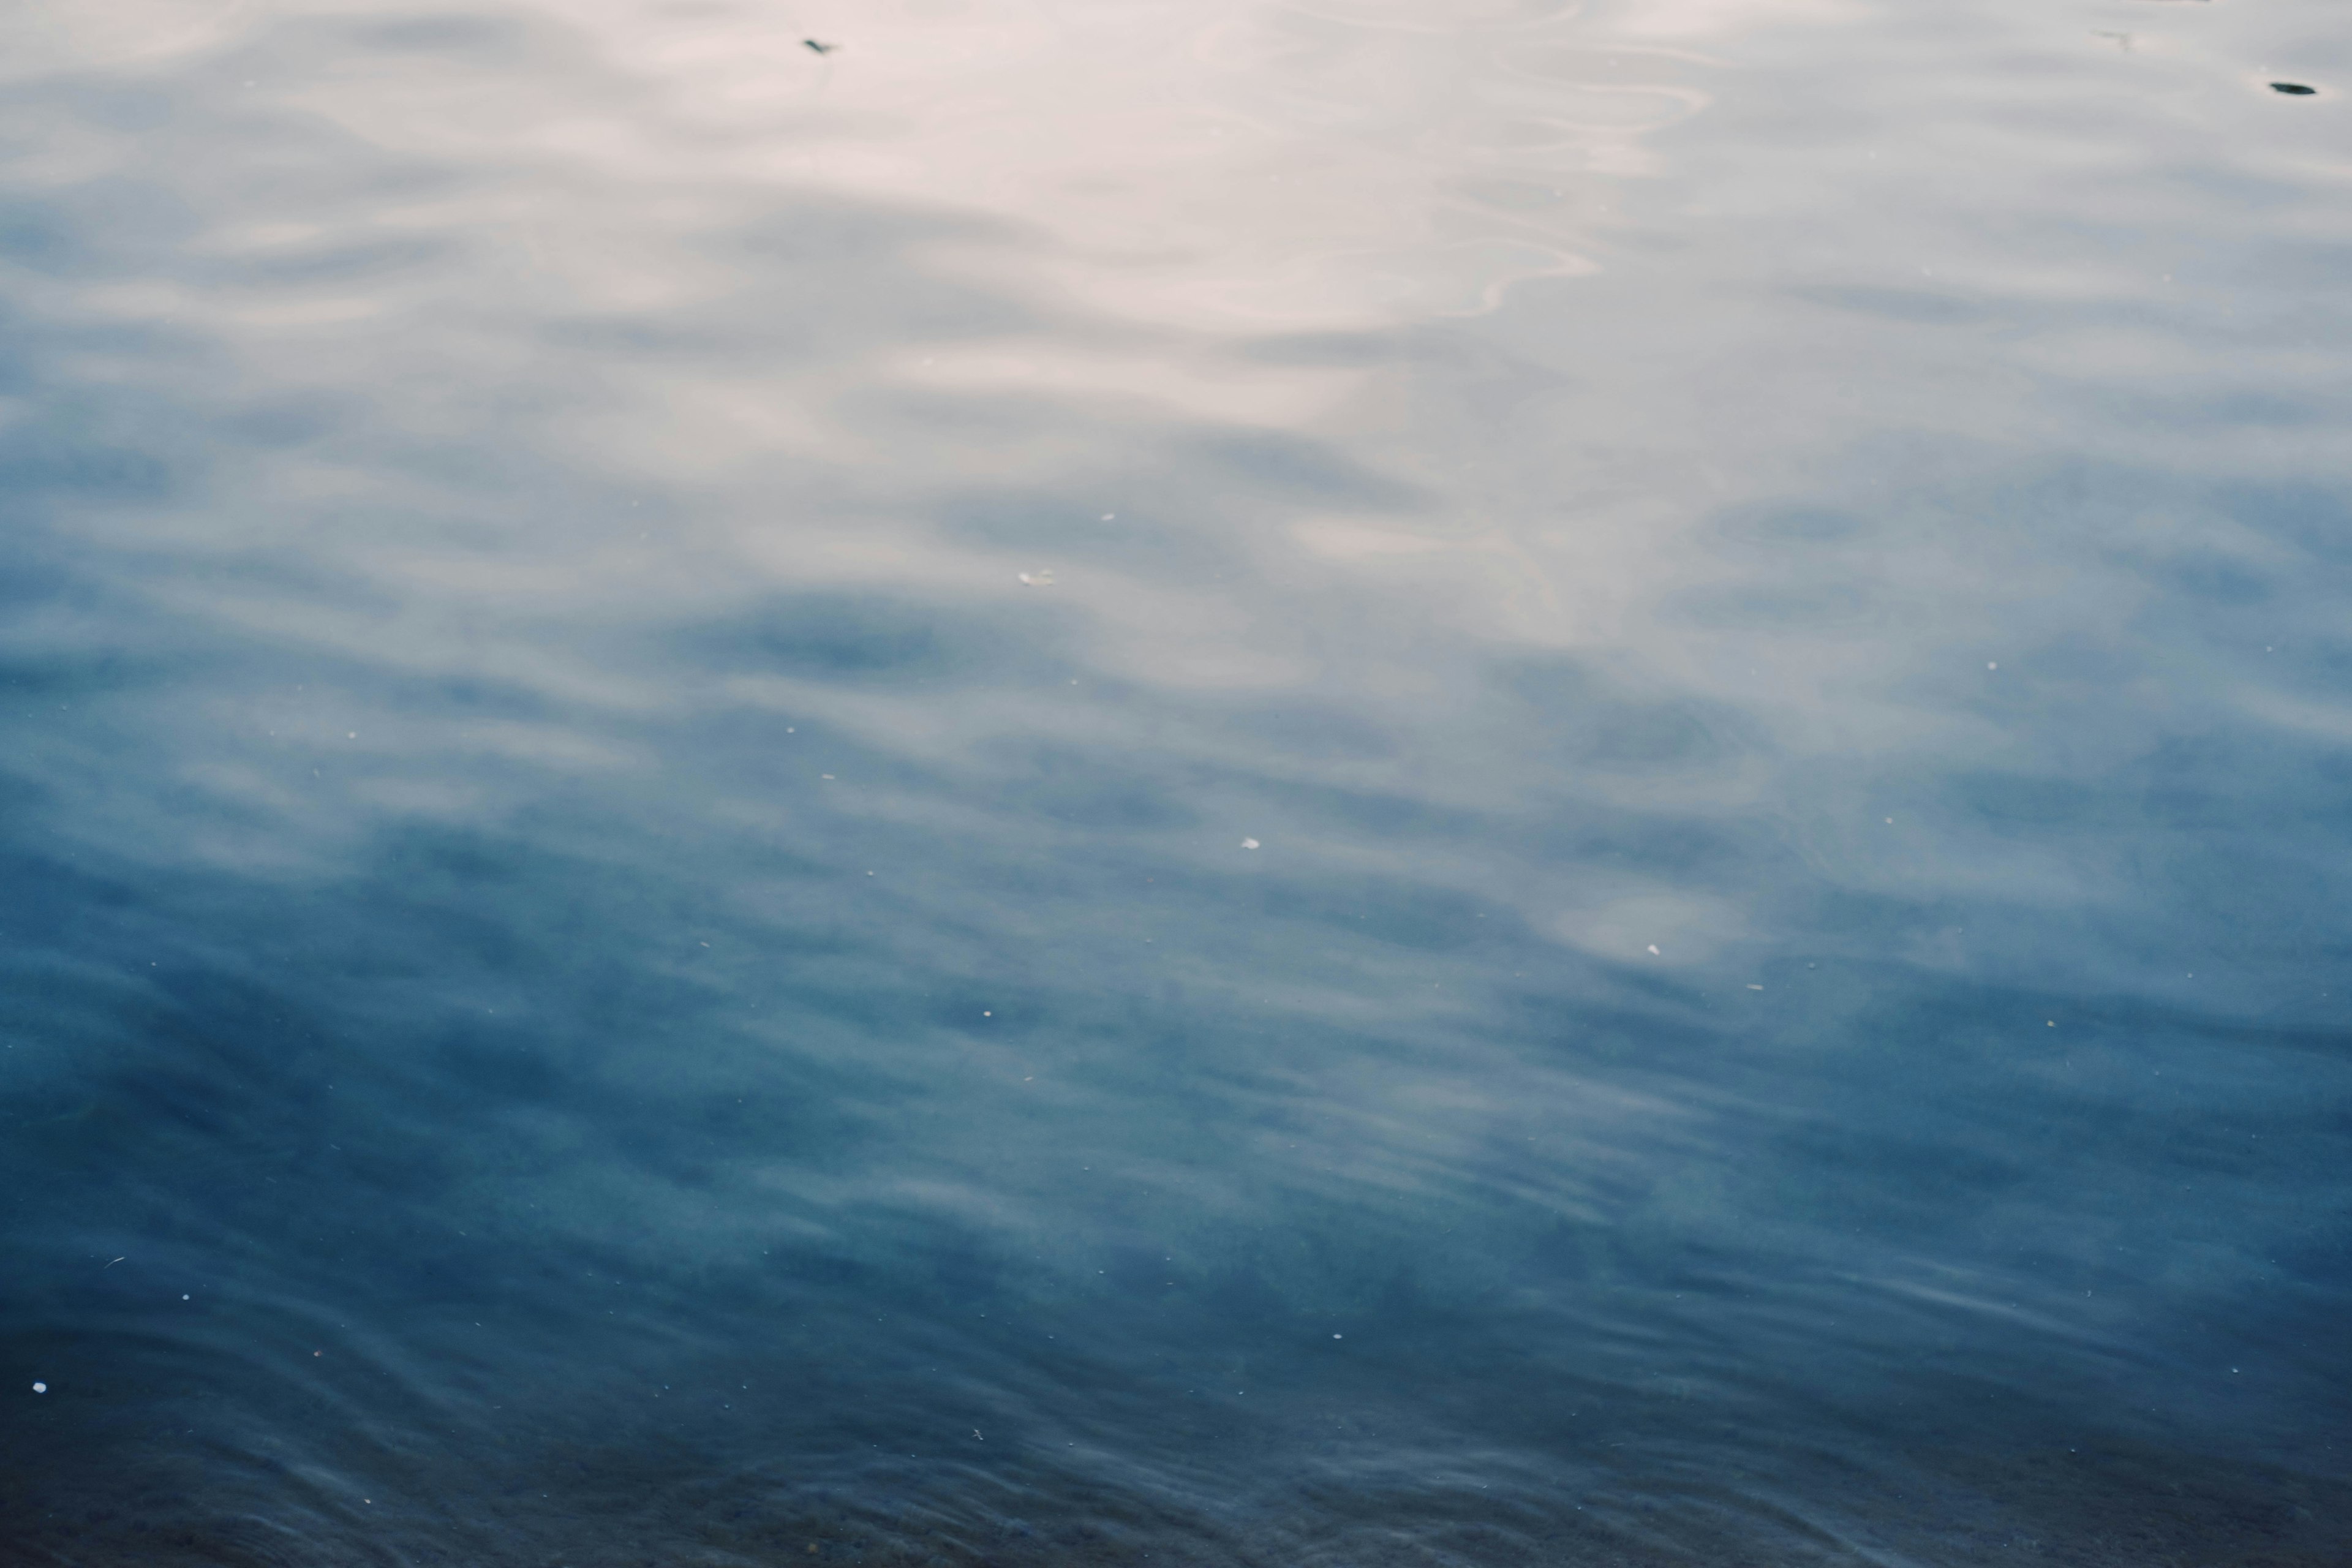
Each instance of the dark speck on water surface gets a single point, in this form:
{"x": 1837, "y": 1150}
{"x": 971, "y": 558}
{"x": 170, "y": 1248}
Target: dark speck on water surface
{"x": 1328, "y": 784}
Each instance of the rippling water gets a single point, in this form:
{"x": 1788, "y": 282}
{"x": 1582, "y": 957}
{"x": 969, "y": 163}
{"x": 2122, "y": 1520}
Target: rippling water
{"x": 1360, "y": 782}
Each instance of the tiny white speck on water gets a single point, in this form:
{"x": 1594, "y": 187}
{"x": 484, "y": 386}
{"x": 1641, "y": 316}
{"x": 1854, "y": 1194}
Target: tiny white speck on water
{"x": 1653, "y": 948}
{"x": 1337, "y": 1336}
{"x": 1249, "y": 844}
{"x": 40, "y": 1388}
{"x": 1991, "y": 664}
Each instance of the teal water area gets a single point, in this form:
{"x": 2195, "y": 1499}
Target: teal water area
{"x": 1334, "y": 784}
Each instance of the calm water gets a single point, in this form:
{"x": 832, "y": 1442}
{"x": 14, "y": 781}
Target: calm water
{"x": 1348, "y": 784}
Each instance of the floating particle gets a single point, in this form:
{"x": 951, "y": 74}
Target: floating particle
{"x": 1993, "y": 664}
{"x": 811, "y": 43}
{"x": 1249, "y": 844}
{"x": 1653, "y": 948}
{"x": 1041, "y": 579}
{"x": 2293, "y": 89}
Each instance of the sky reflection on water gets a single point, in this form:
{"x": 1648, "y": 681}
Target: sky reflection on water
{"x": 1326, "y": 784}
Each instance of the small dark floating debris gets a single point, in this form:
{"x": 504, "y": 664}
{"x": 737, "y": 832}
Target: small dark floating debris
{"x": 2292, "y": 88}
{"x": 828, "y": 48}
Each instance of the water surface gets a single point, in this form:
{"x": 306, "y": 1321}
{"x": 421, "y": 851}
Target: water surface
{"x": 1349, "y": 784}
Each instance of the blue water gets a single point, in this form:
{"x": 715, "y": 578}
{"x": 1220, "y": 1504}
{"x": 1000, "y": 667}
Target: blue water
{"x": 1357, "y": 783}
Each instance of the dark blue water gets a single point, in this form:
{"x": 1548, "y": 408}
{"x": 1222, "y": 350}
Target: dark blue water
{"x": 1357, "y": 783}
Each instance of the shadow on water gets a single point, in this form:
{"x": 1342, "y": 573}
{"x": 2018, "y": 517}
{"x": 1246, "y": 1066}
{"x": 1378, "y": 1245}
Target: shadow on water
{"x": 568, "y": 1005}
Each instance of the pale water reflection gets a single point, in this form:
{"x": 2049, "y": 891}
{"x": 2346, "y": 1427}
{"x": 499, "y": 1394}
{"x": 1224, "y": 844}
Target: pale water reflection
{"x": 1339, "y": 783}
